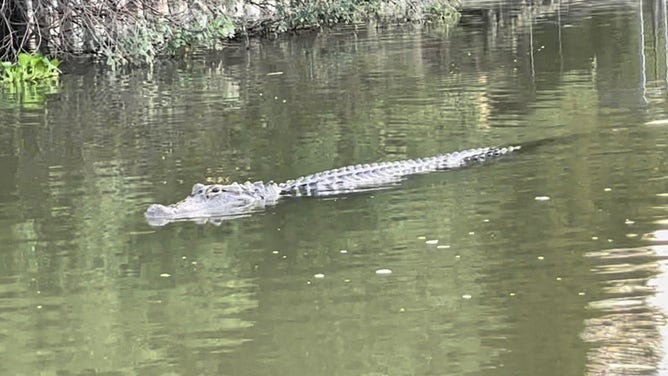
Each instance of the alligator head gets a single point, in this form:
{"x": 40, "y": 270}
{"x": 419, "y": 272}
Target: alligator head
{"x": 207, "y": 201}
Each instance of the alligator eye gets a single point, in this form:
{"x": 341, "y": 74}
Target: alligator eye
{"x": 198, "y": 189}
{"x": 215, "y": 189}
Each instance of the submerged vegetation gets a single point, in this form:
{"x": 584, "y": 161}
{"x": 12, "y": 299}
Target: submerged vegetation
{"x": 136, "y": 32}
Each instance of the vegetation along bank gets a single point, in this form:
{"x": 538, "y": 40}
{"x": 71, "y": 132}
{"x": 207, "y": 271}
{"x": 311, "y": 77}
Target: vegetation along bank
{"x": 120, "y": 32}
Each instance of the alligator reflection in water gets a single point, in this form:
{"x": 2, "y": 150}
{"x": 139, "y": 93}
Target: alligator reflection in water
{"x": 216, "y": 202}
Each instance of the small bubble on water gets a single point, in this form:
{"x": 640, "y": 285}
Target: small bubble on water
{"x": 443, "y": 246}
{"x": 39, "y": 307}
{"x": 422, "y": 237}
{"x": 402, "y": 309}
{"x": 628, "y": 222}
{"x": 471, "y": 232}
{"x": 631, "y": 235}
{"x": 512, "y": 294}
{"x": 384, "y": 271}
{"x": 466, "y": 296}
{"x": 319, "y": 276}
{"x": 183, "y": 257}
{"x": 458, "y": 256}
{"x": 607, "y": 189}
{"x": 308, "y": 282}
{"x": 165, "y": 275}
{"x": 594, "y": 238}
{"x": 433, "y": 241}
{"x": 347, "y": 280}
{"x": 581, "y": 293}
{"x": 541, "y": 258}
{"x": 485, "y": 220}
{"x": 343, "y": 251}
{"x": 274, "y": 252}
{"x": 541, "y": 198}
{"x": 284, "y": 257}
{"x": 558, "y": 278}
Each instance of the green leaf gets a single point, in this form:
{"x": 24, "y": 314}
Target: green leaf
{"x": 24, "y": 59}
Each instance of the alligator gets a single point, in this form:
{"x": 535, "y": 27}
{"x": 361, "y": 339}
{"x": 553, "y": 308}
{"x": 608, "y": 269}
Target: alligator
{"x": 211, "y": 202}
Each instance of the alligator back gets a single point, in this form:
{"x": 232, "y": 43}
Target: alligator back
{"x": 373, "y": 176}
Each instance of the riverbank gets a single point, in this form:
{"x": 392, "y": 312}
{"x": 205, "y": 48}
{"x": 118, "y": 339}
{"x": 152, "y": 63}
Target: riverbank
{"x": 137, "y": 32}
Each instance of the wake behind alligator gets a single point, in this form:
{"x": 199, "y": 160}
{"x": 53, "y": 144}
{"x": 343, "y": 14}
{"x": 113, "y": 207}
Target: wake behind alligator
{"x": 216, "y": 202}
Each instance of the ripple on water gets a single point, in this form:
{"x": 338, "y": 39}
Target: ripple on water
{"x": 626, "y": 325}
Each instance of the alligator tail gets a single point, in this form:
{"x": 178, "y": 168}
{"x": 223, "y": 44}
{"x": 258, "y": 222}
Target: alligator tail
{"x": 467, "y": 157}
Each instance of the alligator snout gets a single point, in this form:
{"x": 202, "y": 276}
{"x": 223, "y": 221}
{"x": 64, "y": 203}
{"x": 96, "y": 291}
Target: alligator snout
{"x": 159, "y": 211}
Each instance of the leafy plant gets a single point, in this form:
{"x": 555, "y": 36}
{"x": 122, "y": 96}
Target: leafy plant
{"x": 29, "y": 68}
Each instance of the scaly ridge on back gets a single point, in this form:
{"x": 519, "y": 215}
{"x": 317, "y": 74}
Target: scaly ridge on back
{"x": 369, "y": 176}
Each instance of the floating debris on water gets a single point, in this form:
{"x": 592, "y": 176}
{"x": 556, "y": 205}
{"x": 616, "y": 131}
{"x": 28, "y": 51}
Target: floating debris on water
{"x": 433, "y": 241}
{"x": 541, "y": 198}
{"x": 628, "y": 222}
{"x": 165, "y": 275}
{"x": 384, "y": 271}
{"x": 466, "y": 296}
{"x": 274, "y": 73}
{"x": 443, "y": 246}
{"x": 422, "y": 237}
{"x": 319, "y": 276}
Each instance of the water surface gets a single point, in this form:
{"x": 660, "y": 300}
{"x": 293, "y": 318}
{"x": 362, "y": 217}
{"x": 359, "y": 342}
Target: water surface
{"x": 549, "y": 262}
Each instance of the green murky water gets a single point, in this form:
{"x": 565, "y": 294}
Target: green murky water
{"x": 551, "y": 262}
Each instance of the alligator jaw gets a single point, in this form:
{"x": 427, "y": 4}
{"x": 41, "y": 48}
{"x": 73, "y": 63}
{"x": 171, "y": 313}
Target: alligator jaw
{"x": 159, "y": 215}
